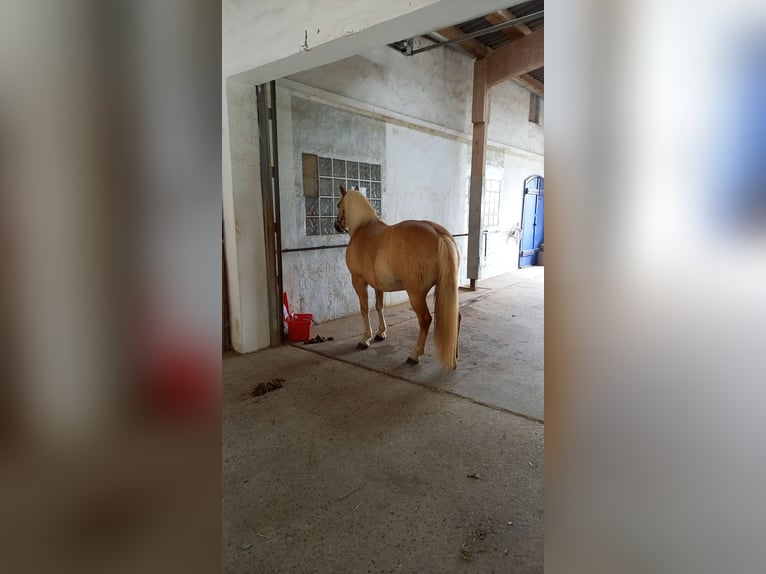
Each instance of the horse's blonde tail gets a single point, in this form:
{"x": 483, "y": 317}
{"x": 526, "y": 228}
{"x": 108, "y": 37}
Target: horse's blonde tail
{"x": 447, "y": 312}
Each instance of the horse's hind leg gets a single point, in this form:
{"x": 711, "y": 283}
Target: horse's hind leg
{"x": 360, "y": 286}
{"x": 381, "y": 334}
{"x": 418, "y": 302}
{"x": 457, "y": 343}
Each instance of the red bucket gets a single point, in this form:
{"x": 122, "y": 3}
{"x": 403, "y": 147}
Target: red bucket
{"x": 299, "y": 326}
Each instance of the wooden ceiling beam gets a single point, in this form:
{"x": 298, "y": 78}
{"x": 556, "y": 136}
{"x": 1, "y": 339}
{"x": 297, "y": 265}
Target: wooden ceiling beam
{"x": 531, "y": 83}
{"x": 523, "y": 55}
{"x": 517, "y": 58}
{"x": 473, "y": 47}
{"x": 508, "y": 15}
{"x": 513, "y": 32}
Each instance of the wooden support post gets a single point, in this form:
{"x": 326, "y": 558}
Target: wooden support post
{"x": 479, "y": 115}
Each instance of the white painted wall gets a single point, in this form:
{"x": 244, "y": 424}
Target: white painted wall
{"x": 262, "y": 41}
{"x": 509, "y": 118}
{"x": 384, "y": 78}
{"x": 411, "y": 115}
{"x": 427, "y": 178}
{"x": 243, "y": 221}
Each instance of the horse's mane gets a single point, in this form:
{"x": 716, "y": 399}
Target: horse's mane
{"x": 358, "y": 209}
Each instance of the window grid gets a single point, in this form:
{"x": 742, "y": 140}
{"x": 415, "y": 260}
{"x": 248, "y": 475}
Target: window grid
{"x": 321, "y": 211}
{"x": 535, "y": 102}
{"x": 491, "y": 204}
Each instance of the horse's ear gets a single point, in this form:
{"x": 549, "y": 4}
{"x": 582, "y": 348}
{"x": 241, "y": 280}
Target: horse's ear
{"x": 342, "y": 190}
{"x": 356, "y": 187}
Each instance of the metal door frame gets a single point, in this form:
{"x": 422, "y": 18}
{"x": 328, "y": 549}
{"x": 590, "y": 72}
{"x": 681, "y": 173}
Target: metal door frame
{"x": 266, "y": 96}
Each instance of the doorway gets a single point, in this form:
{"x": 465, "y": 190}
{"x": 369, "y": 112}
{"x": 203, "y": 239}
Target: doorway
{"x": 531, "y": 221}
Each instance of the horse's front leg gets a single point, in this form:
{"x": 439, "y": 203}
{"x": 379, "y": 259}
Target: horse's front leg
{"x": 360, "y": 286}
{"x": 381, "y": 334}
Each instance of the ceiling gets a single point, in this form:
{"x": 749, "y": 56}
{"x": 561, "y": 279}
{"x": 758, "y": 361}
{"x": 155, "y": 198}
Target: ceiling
{"x": 482, "y": 45}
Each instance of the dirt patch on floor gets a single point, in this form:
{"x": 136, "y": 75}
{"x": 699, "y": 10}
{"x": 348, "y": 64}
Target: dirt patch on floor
{"x": 263, "y": 388}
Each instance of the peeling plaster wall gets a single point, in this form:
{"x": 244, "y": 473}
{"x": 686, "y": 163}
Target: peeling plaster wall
{"x": 429, "y": 179}
{"x": 434, "y": 86}
{"x": 243, "y": 214}
{"x": 411, "y": 115}
{"x": 318, "y": 282}
{"x": 327, "y": 131}
{"x": 431, "y": 86}
{"x": 509, "y": 118}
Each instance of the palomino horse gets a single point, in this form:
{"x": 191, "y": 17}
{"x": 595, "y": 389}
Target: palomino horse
{"x": 410, "y": 256}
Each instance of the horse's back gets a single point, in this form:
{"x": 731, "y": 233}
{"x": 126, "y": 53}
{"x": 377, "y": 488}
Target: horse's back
{"x": 415, "y": 237}
{"x": 410, "y": 253}
{"x": 397, "y": 257}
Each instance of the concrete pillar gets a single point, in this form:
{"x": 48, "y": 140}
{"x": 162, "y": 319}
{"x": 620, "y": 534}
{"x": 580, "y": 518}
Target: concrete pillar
{"x": 243, "y": 220}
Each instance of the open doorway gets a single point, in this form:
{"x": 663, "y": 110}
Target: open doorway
{"x": 532, "y": 231}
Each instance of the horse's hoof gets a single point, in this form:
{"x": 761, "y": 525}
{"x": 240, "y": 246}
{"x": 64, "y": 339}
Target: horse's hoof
{"x": 411, "y": 361}
{"x": 380, "y": 338}
{"x": 362, "y": 346}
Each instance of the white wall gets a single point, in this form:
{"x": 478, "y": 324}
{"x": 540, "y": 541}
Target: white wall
{"x": 411, "y": 115}
{"x": 384, "y": 78}
{"x": 509, "y": 118}
{"x": 243, "y": 221}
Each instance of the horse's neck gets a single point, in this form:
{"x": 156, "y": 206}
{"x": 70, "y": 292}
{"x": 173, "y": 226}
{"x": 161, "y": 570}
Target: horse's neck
{"x": 366, "y": 223}
{"x": 360, "y": 213}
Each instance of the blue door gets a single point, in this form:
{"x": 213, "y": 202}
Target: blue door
{"x": 531, "y": 221}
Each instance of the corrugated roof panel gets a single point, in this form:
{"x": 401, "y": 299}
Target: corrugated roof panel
{"x": 527, "y": 8}
{"x": 497, "y": 39}
{"x": 494, "y": 40}
{"x": 474, "y": 25}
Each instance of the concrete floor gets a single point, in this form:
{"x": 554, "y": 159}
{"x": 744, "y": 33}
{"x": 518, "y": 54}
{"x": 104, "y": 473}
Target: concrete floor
{"x": 350, "y": 467}
{"x": 501, "y": 344}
